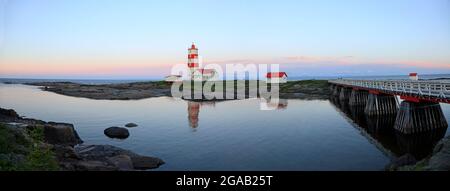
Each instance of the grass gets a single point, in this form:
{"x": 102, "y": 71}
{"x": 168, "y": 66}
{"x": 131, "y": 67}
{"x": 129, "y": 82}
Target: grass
{"x": 307, "y": 85}
{"x": 29, "y": 144}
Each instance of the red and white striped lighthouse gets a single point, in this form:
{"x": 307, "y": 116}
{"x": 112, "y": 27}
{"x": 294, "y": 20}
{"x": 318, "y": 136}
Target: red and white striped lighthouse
{"x": 193, "y": 59}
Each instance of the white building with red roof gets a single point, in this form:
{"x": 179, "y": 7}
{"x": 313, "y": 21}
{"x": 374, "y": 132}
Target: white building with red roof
{"x": 276, "y": 77}
{"x": 198, "y": 74}
{"x": 413, "y": 76}
{"x": 173, "y": 78}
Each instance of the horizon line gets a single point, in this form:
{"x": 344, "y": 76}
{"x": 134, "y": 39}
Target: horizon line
{"x": 155, "y": 78}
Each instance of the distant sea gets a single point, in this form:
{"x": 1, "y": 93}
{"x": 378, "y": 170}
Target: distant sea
{"x": 388, "y": 77}
{"x": 115, "y": 81}
{"x": 81, "y": 81}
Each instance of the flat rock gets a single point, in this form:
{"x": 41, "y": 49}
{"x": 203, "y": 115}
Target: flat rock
{"x": 117, "y": 132}
{"x": 122, "y": 162}
{"x": 100, "y": 152}
{"x": 61, "y": 134}
{"x": 109, "y": 152}
{"x": 94, "y": 166}
{"x": 131, "y": 125}
{"x": 144, "y": 162}
{"x": 65, "y": 152}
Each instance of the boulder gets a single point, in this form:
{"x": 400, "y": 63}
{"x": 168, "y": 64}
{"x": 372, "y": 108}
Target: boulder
{"x": 109, "y": 152}
{"x": 117, "y": 132}
{"x": 122, "y": 162}
{"x": 8, "y": 113}
{"x": 101, "y": 152}
{"x": 440, "y": 160}
{"x": 94, "y": 166}
{"x": 144, "y": 162}
{"x": 61, "y": 134}
{"x": 404, "y": 160}
{"x": 65, "y": 152}
{"x": 131, "y": 125}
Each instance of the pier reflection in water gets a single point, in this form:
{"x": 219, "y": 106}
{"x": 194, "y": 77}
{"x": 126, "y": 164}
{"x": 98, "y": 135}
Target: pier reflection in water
{"x": 379, "y": 130}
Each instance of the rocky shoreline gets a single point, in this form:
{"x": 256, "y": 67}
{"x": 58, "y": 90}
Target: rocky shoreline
{"x": 302, "y": 89}
{"x": 438, "y": 160}
{"x": 61, "y": 145}
{"x": 124, "y": 91}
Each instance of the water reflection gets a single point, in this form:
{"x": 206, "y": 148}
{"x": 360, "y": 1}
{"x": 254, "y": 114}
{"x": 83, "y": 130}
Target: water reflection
{"x": 194, "y": 111}
{"x": 194, "y": 108}
{"x": 420, "y": 145}
{"x": 237, "y": 132}
{"x": 274, "y": 104}
{"x": 380, "y": 131}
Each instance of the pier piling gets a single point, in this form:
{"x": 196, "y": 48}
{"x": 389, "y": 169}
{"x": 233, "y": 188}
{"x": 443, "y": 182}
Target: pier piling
{"x": 414, "y": 117}
{"x": 332, "y": 86}
{"x": 381, "y": 104}
{"x": 344, "y": 94}
{"x": 337, "y": 90}
{"x": 358, "y": 97}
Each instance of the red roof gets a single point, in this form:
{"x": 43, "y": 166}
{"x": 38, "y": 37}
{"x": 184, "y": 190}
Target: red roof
{"x": 193, "y": 46}
{"x": 412, "y": 74}
{"x": 276, "y": 74}
{"x": 206, "y": 71}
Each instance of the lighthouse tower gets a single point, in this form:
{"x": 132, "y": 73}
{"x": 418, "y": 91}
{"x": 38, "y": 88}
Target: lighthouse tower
{"x": 193, "y": 60}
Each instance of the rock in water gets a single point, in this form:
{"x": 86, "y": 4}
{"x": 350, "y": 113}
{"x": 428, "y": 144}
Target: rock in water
{"x": 8, "y": 113}
{"x": 131, "y": 125}
{"x": 61, "y": 133}
{"x": 144, "y": 162}
{"x": 117, "y": 132}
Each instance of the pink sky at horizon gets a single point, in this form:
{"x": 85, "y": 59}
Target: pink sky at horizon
{"x": 147, "y": 68}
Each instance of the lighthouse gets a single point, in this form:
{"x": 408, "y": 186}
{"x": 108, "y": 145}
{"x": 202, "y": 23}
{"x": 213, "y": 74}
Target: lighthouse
{"x": 192, "y": 60}
{"x": 198, "y": 74}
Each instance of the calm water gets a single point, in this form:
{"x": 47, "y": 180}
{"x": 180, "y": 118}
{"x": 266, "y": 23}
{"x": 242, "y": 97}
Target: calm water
{"x": 231, "y": 135}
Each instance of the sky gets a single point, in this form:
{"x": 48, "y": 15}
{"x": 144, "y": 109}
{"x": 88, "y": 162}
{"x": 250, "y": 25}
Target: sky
{"x": 131, "y": 39}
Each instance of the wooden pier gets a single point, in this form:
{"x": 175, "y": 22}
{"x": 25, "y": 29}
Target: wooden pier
{"x": 420, "y": 110}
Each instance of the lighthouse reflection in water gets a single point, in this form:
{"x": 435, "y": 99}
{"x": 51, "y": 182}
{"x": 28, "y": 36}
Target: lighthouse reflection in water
{"x": 194, "y": 111}
{"x": 194, "y": 108}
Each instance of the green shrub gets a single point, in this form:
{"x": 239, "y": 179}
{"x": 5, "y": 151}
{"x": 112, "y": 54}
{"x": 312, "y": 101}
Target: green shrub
{"x": 38, "y": 156}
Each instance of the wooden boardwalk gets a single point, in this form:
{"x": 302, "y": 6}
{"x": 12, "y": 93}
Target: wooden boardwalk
{"x": 429, "y": 90}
